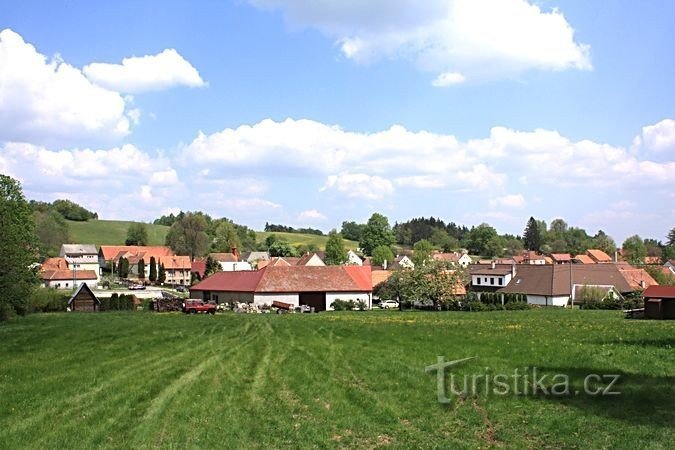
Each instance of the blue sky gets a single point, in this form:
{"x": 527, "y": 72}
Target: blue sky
{"x": 311, "y": 113}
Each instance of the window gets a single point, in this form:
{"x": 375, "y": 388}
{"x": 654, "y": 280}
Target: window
{"x": 477, "y": 280}
{"x": 492, "y": 280}
{"x": 485, "y": 280}
{"x": 501, "y": 281}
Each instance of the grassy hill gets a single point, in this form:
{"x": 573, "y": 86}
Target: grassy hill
{"x": 114, "y": 232}
{"x": 306, "y": 239}
{"x": 333, "y": 380}
{"x": 111, "y": 232}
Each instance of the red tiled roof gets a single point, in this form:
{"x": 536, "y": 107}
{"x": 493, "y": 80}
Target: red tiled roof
{"x": 54, "y": 263}
{"x": 450, "y": 257}
{"x": 380, "y": 276}
{"x": 198, "y": 267}
{"x": 111, "y": 251}
{"x": 361, "y": 275}
{"x": 598, "y": 255}
{"x": 659, "y": 292}
{"x": 224, "y": 257}
{"x": 584, "y": 259}
{"x": 290, "y": 279}
{"x": 66, "y": 274}
{"x": 237, "y": 281}
{"x": 176, "y": 262}
{"x": 561, "y": 257}
{"x": 636, "y": 277}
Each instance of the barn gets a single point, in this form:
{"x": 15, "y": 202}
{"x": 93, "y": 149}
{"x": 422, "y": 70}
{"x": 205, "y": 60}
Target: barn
{"x": 314, "y": 286}
{"x": 84, "y": 300}
{"x": 659, "y": 302}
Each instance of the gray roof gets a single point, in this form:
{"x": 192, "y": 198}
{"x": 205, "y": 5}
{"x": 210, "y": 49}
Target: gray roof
{"x": 256, "y": 256}
{"x": 78, "y": 249}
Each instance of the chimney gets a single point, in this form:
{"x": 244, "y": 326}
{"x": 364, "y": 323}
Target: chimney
{"x": 616, "y": 256}
{"x": 384, "y": 265}
{"x": 513, "y": 269}
{"x": 642, "y": 284}
{"x": 235, "y": 252}
{"x": 492, "y": 264}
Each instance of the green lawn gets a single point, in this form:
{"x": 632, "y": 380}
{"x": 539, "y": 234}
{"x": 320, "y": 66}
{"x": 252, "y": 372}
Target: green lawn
{"x": 111, "y": 232}
{"x": 306, "y": 239}
{"x": 345, "y": 380}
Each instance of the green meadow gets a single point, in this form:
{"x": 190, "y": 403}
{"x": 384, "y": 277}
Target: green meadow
{"x": 331, "y": 380}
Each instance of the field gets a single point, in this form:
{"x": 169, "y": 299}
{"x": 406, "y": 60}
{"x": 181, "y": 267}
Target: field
{"x": 111, "y": 232}
{"x": 114, "y": 232}
{"x": 343, "y": 380}
{"x": 306, "y": 239}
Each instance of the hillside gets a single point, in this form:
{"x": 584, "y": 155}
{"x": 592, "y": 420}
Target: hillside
{"x": 111, "y": 232}
{"x": 306, "y": 239}
{"x": 114, "y": 232}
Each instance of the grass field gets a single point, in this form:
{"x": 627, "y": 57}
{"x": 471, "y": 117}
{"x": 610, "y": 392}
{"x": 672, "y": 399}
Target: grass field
{"x": 343, "y": 380}
{"x": 306, "y": 239}
{"x": 114, "y": 232}
{"x": 111, "y": 232}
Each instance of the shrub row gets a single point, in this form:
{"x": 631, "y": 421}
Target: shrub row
{"x": 613, "y": 303}
{"x": 48, "y": 300}
{"x": 117, "y": 303}
{"x": 349, "y": 305}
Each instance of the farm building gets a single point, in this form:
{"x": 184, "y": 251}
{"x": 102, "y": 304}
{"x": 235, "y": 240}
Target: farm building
{"x": 67, "y": 279}
{"x": 659, "y": 302}
{"x": 314, "y": 286}
{"x": 84, "y": 300}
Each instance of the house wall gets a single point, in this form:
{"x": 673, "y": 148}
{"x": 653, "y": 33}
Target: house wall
{"x": 177, "y": 276}
{"x": 544, "y": 300}
{"x": 228, "y": 297}
{"x": 464, "y": 261}
{"x": 231, "y": 266}
{"x": 86, "y": 266}
{"x": 268, "y": 298}
{"x": 486, "y": 280}
{"x": 353, "y": 259}
{"x": 356, "y": 296}
{"x": 315, "y": 261}
{"x": 68, "y": 284}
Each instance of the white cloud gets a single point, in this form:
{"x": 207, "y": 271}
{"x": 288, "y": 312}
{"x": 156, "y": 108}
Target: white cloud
{"x": 250, "y": 203}
{"x": 479, "y": 39}
{"x": 145, "y": 73}
{"x": 508, "y": 201}
{"x": 311, "y": 215}
{"x": 164, "y": 178}
{"x": 359, "y": 185}
{"x": 657, "y": 138}
{"x": 50, "y": 101}
{"x": 448, "y": 79}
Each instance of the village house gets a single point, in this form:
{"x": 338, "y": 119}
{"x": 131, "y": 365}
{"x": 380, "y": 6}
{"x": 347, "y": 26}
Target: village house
{"x": 659, "y": 302}
{"x": 561, "y": 258}
{"x": 177, "y": 270}
{"x": 491, "y": 277}
{"x": 598, "y": 256}
{"x": 353, "y": 259}
{"x": 454, "y": 258}
{"x": 230, "y": 262}
{"x": 81, "y": 257}
{"x": 314, "y": 286}
{"x": 253, "y": 258}
{"x": 113, "y": 253}
{"x": 67, "y": 279}
{"x": 403, "y": 262}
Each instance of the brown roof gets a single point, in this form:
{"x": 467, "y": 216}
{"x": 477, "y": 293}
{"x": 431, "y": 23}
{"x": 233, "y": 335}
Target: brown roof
{"x": 659, "y": 292}
{"x": 637, "y": 278}
{"x": 224, "y": 257}
{"x": 66, "y": 274}
{"x": 561, "y": 257}
{"x": 555, "y": 279}
{"x": 380, "y": 276}
{"x": 449, "y": 257}
{"x": 290, "y": 279}
{"x": 584, "y": 259}
{"x": 54, "y": 263}
{"x": 486, "y": 269}
{"x": 198, "y": 267}
{"x": 598, "y": 255}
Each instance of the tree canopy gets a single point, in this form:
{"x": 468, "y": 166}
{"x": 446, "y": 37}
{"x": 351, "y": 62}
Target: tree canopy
{"x": 18, "y": 249}
{"x": 187, "y": 235}
{"x": 381, "y": 254}
{"x": 52, "y": 232}
{"x": 137, "y": 234}
{"x": 377, "y": 232}
{"x": 335, "y": 249}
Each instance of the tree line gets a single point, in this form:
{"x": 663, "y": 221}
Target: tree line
{"x": 271, "y": 227}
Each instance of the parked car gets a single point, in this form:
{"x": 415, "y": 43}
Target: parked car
{"x": 196, "y": 306}
{"x": 136, "y": 287}
{"x": 389, "y": 304}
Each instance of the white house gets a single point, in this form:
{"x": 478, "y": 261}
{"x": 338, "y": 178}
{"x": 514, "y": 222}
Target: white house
{"x": 353, "y": 259}
{"x": 81, "y": 257}
{"x": 68, "y": 279}
{"x": 314, "y": 286}
{"x": 404, "y": 262}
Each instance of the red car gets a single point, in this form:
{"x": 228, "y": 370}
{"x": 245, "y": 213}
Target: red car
{"x": 196, "y": 306}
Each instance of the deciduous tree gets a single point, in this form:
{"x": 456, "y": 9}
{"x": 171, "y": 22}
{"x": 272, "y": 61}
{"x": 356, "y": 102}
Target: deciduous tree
{"x": 422, "y": 251}
{"x": 634, "y": 249}
{"x": 335, "y": 249}
{"x": 381, "y": 254}
{"x": 18, "y": 249}
{"x": 137, "y": 234}
{"x": 187, "y": 235}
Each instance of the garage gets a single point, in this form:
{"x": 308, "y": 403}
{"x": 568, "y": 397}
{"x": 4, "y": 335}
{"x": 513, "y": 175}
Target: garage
{"x": 316, "y": 300}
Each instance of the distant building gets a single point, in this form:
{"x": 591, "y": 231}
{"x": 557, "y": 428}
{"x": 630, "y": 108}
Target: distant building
{"x": 81, "y": 257}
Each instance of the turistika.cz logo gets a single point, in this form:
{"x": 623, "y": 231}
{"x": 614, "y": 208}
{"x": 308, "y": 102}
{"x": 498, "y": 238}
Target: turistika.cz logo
{"x": 527, "y": 381}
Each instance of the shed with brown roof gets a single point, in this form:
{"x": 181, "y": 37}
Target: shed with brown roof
{"x": 660, "y": 302}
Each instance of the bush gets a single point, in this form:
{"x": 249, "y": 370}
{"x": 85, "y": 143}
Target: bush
{"x": 516, "y": 306}
{"x": 343, "y": 305}
{"x": 117, "y": 303}
{"x": 48, "y": 300}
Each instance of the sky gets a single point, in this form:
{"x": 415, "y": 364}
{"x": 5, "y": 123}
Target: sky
{"x": 310, "y": 113}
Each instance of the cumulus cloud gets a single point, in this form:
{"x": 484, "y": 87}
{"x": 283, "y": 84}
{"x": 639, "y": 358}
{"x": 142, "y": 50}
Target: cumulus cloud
{"x": 49, "y": 101}
{"x": 359, "y": 185}
{"x": 311, "y": 215}
{"x": 145, "y": 73}
{"x": 472, "y": 39}
{"x": 657, "y": 138}
{"x": 508, "y": 201}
